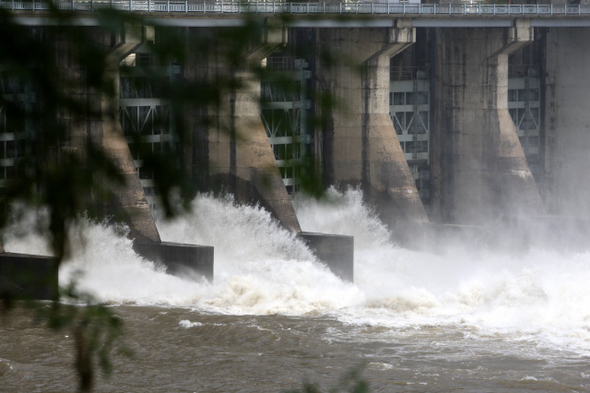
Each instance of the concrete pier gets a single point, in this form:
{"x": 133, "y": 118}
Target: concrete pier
{"x": 130, "y": 196}
{"x": 567, "y": 122}
{"x": 104, "y": 129}
{"x": 231, "y": 149}
{"x": 101, "y": 125}
{"x": 360, "y": 144}
{"x": 480, "y": 171}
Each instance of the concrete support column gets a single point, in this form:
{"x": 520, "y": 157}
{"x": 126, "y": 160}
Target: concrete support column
{"x": 567, "y": 121}
{"x": 361, "y": 147}
{"x": 257, "y": 175}
{"x": 130, "y": 196}
{"x": 231, "y": 148}
{"x": 102, "y": 126}
{"x": 479, "y": 168}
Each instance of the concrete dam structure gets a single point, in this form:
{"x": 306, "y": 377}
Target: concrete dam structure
{"x": 440, "y": 113}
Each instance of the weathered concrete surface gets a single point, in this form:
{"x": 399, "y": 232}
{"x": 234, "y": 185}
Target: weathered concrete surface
{"x": 231, "y": 149}
{"x": 102, "y": 126}
{"x": 183, "y": 260}
{"x": 361, "y": 147}
{"x": 28, "y": 277}
{"x": 336, "y": 251}
{"x": 567, "y": 122}
{"x": 36, "y": 277}
{"x": 480, "y": 173}
{"x": 130, "y": 197}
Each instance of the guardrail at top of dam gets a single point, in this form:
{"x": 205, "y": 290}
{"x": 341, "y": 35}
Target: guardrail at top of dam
{"x": 236, "y": 7}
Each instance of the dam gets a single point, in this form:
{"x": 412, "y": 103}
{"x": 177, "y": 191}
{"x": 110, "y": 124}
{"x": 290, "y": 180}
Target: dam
{"x": 450, "y": 114}
{"x": 479, "y": 113}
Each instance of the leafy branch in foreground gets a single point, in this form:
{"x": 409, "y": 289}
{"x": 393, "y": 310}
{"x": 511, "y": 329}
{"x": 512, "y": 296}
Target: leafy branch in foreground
{"x": 350, "y": 382}
{"x": 96, "y": 331}
{"x": 57, "y": 87}
{"x": 52, "y": 82}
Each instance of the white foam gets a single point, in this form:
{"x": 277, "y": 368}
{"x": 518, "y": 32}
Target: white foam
{"x": 540, "y": 294}
{"x": 185, "y": 323}
{"x": 262, "y": 269}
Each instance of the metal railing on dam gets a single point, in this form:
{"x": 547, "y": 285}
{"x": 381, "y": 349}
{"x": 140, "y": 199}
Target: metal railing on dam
{"x": 237, "y": 7}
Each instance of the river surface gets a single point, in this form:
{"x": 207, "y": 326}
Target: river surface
{"x": 465, "y": 318}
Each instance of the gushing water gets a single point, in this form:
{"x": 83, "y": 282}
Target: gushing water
{"x": 260, "y": 268}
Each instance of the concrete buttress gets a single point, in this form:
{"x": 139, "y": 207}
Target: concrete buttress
{"x": 567, "y": 121}
{"x": 130, "y": 196}
{"x": 231, "y": 148}
{"x": 361, "y": 147}
{"x": 36, "y": 277}
{"x": 479, "y": 167}
{"x": 104, "y": 129}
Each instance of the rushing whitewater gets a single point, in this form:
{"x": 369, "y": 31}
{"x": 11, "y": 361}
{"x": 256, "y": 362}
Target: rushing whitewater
{"x": 262, "y": 269}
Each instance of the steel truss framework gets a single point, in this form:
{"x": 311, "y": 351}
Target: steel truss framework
{"x": 284, "y": 107}
{"x": 524, "y": 105}
{"x": 146, "y": 122}
{"x": 409, "y": 106}
{"x": 14, "y": 95}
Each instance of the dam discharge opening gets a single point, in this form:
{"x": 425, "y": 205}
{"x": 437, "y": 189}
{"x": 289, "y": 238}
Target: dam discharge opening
{"x": 262, "y": 269}
{"x": 463, "y": 316}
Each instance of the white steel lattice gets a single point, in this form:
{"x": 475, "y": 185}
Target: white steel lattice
{"x": 283, "y": 114}
{"x": 524, "y": 106}
{"x": 409, "y": 106}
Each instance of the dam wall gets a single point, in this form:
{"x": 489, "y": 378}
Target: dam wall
{"x": 482, "y": 171}
{"x": 566, "y": 125}
{"x": 361, "y": 148}
{"x": 430, "y": 117}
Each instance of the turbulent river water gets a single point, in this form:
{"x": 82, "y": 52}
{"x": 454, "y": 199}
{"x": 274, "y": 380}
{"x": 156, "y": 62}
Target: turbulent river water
{"x": 464, "y": 318}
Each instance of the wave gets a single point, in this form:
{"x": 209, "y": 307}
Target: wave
{"x": 262, "y": 269}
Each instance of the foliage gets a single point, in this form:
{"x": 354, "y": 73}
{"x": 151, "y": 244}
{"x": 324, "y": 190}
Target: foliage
{"x": 60, "y": 161}
{"x": 95, "y": 329}
{"x": 54, "y": 83}
{"x": 351, "y": 382}
{"x": 29, "y": 66}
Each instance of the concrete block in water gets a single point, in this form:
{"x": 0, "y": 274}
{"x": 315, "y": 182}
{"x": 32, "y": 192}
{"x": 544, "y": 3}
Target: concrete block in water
{"x": 336, "y": 251}
{"x": 179, "y": 259}
{"x": 28, "y": 276}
